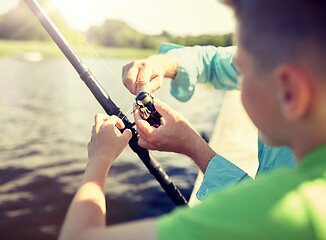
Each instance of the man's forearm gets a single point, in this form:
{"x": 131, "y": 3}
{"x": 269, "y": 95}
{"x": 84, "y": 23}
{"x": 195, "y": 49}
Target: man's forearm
{"x": 203, "y": 157}
{"x": 167, "y": 63}
{"x": 199, "y": 151}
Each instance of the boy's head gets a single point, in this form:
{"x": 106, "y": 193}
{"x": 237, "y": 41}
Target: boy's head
{"x": 282, "y": 59}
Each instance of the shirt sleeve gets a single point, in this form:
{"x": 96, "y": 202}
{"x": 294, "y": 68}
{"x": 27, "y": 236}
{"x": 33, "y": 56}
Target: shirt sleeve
{"x": 201, "y": 64}
{"x": 220, "y": 174}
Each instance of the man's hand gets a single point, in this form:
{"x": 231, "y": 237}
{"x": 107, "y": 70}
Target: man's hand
{"x": 171, "y": 136}
{"x": 147, "y": 74}
{"x": 175, "y": 135}
{"x": 105, "y": 144}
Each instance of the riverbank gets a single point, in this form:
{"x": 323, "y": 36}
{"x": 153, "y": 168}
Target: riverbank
{"x": 50, "y": 50}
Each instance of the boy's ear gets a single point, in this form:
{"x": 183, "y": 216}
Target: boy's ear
{"x": 294, "y": 92}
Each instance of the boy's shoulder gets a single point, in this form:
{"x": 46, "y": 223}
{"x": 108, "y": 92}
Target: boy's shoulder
{"x": 279, "y": 200}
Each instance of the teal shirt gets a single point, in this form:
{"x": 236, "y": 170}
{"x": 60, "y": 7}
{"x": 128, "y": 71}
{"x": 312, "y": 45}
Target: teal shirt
{"x": 213, "y": 65}
{"x": 201, "y": 65}
{"x": 285, "y": 204}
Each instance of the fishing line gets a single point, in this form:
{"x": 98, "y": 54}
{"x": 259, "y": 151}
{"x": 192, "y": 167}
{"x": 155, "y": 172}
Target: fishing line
{"x": 114, "y": 76}
{"x": 96, "y": 54}
{"x": 130, "y": 111}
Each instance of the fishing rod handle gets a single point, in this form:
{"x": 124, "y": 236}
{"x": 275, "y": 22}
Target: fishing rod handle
{"x": 153, "y": 166}
{"x": 158, "y": 172}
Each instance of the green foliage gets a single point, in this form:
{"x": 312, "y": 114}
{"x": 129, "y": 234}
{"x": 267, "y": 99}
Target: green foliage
{"x": 149, "y": 42}
{"x": 215, "y": 40}
{"x": 115, "y": 33}
{"x": 20, "y": 24}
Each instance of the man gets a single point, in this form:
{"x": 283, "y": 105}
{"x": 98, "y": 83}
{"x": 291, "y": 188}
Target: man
{"x": 187, "y": 66}
{"x": 284, "y": 93}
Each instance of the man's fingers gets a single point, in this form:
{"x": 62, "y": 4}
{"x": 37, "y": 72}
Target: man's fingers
{"x": 142, "y": 125}
{"x": 137, "y": 116}
{"x": 139, "y": 76}
{"x": 155, "y": 83}
{"x": 144, "y": 144}
{"x": 163, "y": 109}
{"x": 129, "y": 77}
{"x": 145, "y": 128}
{"x": 140, "y": 133}
{"x": 144, "y": 77}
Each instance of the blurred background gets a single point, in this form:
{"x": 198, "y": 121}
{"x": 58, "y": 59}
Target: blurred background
{"x": 46, "y": 112}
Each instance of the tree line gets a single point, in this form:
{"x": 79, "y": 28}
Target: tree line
{"x": 20, "y": 24}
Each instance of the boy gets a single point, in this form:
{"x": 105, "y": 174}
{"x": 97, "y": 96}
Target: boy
{"x": 284, "y": 92}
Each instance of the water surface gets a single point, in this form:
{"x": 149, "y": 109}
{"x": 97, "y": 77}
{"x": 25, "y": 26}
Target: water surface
{"x": 46, "y": 115}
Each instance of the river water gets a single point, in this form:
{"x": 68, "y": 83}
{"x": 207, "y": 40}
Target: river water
{"x": 46, "y": 115}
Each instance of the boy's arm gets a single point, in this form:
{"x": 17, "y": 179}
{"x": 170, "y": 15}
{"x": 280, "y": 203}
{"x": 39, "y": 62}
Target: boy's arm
{"x": 86, "y": 215}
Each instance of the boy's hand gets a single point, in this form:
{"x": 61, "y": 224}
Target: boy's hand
{"x": 105, "y": 144}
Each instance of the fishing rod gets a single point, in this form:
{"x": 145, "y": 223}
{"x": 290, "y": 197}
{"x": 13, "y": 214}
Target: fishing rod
{"x": 108, "y": 105}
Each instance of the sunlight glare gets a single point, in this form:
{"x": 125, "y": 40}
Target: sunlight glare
{"x": 148, "y": 16}
{"x": 74, "y": 11}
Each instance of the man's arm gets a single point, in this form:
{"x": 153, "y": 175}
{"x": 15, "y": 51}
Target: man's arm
{"x": 201, "y": 64}
{"x": 186, "y": 66}
{"x": 175, "y": 135}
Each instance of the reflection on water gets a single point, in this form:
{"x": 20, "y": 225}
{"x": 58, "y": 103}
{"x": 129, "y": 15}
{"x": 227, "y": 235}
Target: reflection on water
{"x": 46, "y": 115}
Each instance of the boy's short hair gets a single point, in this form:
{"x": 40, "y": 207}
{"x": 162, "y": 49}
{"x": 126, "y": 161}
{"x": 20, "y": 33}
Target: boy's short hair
{"x": 276, "y": 31}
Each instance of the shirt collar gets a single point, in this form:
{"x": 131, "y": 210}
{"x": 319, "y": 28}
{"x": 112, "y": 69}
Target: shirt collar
{"x": 316, "y": 156}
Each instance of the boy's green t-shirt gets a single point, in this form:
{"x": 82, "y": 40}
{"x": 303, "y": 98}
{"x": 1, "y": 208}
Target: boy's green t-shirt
{"x": 286, "y": 204}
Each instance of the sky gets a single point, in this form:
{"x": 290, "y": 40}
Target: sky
{"x": 178, "y": 17}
